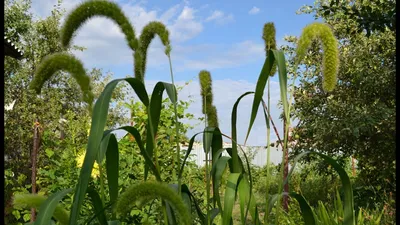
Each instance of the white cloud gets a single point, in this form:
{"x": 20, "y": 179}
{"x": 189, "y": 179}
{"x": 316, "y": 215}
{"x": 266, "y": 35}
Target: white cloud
{"x": 105, "y": 42}
{"x": 185, "y": 27}
{"x": 254, "y": 11}
{"x": 220, "y": 17}
{"x": 225, "y": 56}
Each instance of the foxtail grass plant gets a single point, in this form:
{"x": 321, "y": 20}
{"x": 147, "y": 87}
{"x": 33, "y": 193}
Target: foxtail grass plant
{"x": 270, "y": 43}
{"x": 177, "y": 199}
{"x": 211, "y": 120}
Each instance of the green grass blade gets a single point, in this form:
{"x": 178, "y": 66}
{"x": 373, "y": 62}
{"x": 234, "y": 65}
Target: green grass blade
{"x": 339, "y": 205}
{"x": 216, "y": 144}
{"x": 112, "y": 169}
{"x": 89, "y": 221}
{"x": 250, "y": 204}
{"x": 247, "y": 200}
{"x": 216, "y": 174}
{"x": 97, "y": 205}
{"x": 28, "y": 201}
{"x": 149, "y": 162}
{"x": 103, "y": 149}
{"x": 271, "y": 202}
{"x": 280, "y": 60}
{"x": 235, "y": 157}
{"x": 99, "y": 119}
{"x": 189, "y": 150}
{"x": 348, "y": 202}
{"x": 170, "y": 214}
{"x": 306, "y": 211}
{"x": 207, "y": 139}
{"x": 213, "y": 213}
{"x": 200, "y": 214}
{"x": 154, "y": 112}
{"x": 185, "y": 194}
{"x": 260, "y": 86}
{"x": 212, "y": 132}
{"x": 230, "y": 197}
{"x": 48, "y": 207}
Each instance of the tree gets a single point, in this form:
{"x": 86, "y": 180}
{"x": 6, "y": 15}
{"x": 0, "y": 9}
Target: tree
{"x": 358, "y": 117}
{"x": 60, "y": 96}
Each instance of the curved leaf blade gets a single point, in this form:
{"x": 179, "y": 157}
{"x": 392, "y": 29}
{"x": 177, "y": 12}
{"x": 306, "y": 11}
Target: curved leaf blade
{"x": 97, "y": 205}
{"x": 99, "y": 119}
{"x": 48, "y": 207}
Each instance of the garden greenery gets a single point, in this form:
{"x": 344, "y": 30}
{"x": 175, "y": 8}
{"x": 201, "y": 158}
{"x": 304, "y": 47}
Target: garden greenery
{"x": 176, "y": 198}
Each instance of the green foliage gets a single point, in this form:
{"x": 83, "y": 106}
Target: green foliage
{"x": 362, "y": 16}
{"x": 330, "y": 60}
{"x": 360, "y": 113}
{"x": 35, "y": 201}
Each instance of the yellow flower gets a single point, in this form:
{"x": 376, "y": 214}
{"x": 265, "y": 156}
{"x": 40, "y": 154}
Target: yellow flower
{"x": 95, "y": 170}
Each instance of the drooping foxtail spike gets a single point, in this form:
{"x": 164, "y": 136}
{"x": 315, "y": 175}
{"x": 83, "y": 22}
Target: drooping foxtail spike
{"x": 212, "y": 116}
{"x": 93, "y": 8}
{"x": 330, "y": 60}
{"x": 63, "y": 62}
{"x": 148, "y": 34}
{"x": 207, "y": 97}
{"x": 205, "y": 89}
{"x": 28, "y": 201}
{"x": 141, "y": 193}
{"x": 269, "y": 37}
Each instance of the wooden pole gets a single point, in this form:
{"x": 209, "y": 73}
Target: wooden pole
{"x": 353, "y": 166}
{"x": 36, "y": 140}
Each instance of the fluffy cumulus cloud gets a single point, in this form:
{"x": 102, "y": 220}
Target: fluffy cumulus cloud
{"x": 254, "y": 11}
{"x": 104, "y": 41}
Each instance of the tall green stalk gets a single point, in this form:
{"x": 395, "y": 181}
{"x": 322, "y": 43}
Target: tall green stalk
{"x": 270, "y": 43}
{"x": 211, "y": 120}
{"x": 330, "y": 63}
{"x": 178, "y": 148}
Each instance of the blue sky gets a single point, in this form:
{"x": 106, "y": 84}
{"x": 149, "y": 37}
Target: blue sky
{"x": 223, "y": 37}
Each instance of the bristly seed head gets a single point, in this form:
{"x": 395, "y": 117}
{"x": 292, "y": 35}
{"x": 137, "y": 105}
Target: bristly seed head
{"x": 145, "y": 191}
{"x": 148, "y": 34}
{"x": 86, "y": 10}
{"x": 270, "y": 42}
{"x": 207, "y": 97}
{"x": 63, "y": 62}
{"x": 330, "y": 60}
